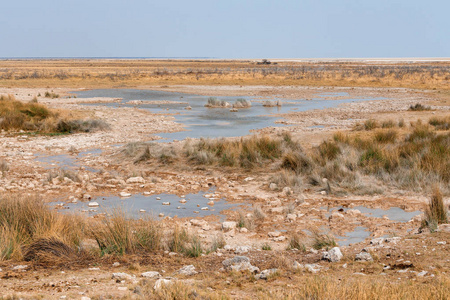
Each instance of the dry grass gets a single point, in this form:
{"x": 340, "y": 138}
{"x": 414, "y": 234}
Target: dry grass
{"x": 27, "y": 221}
{"x": 32, "y": 116}
{"x": 435, "y": 212}
{"x": 114, "y": 73}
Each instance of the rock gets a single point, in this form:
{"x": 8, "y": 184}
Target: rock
{"x": 20, "y": 267}
{"x": 226, "y": 226}
{"x": 265, "y": 273}
{"x": 274, "y": 234}
{"x": 239, "y": 263}
{"x": 277, "y": 210}
{"x": 273, "y": 186}
{"x": 142, "y": 210}
{"x": 242, "y": 249}
{"x": 151, "y": 274}
{"x": 85, "y": 298}
{"x": 281, "y": 238}
{"x": 313, "y": 268}
{"x": 188, "y": 107}
{"x": 336, "y": 216}
{"x": 287, "y": 191}
{"x": 291, "y": 217}
{"x": 363, "y": 256}
{"x": 116, "y": 264}
{"x": 160, "y": 282}
{"x": 93, "y": 204}
{"x": 122, "y": 288}
{"x": 87, "y": 197}
{"x": 243, "y": 230}
{"x": 333, "y": 255}
{"x": 135, "y": 180}
{"x": 183, "y": 201}
{"x": 198, "y": 223}
{"x": 353, "y": 212}
{"x": 442, "y": 243}
{"x": 122, "y": 276}
{"x": 211, "y": 203}
{"x": 161, "y": 215}
{"x": 187, "y": 270}
{"x": 124, "y": 194}
{"x": 444, "y": 228}
{"x": 166, "y": 203}
{"x": 377, "y": 241}
{"x": 423, "y": 273}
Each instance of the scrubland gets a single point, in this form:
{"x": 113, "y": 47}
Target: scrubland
{"x": 287, "y": 181}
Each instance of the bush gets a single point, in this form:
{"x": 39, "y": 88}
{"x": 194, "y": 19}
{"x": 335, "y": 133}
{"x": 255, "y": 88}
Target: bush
{"x": 386, "y": 136}
{"x": 418, "y": 107}
{"x": 435, "y": 211}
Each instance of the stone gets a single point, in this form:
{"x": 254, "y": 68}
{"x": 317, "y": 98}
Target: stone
{"x": 183, "y": 201}
{"x": 187, "y": 270}
{"x": 161, "y": 215}
{"x": 273, "y": 186}
{"x": 312, "y": 268}
{"x": 226, "y": 226}
{"x": 423, "y": 273}
{"x": 274, "y": 234}
{"x": 336, "y": 216}
{"x": 242, "y": 249}
{"x": 124, "y": 194}
{"x": 266, "y": 273}
{"x": 333, "y": 255}
{"x": 20, "y": 267}
{"x": 444, "y": 228}
{"x": 166, "y": 203}
{"x": 353, "y": 212}
{"x": 363, "y": 256}
{"x": 151, "y": 274}
{"x": 291, "y": 217}
{"x": 93, "y": 204}
{"x": 135, "y": 180}
{"x": 116, "y": 264}
{"x": 239, "y": 263}
{"x": 162, "y": 282}
{"x": 122, "y": 288}
{"x": 87, "y": 197}
{"x": 122, "y": 276}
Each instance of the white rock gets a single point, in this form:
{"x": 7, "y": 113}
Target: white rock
{"x": 124, "y": 194}
{"x": 122, "y": 276}
{"x": 162, "y": 282}
{"x": 122, "y": 288}
{"x": 242, "y": 249}
{"x": 291, "y": 217}
{"x": 187, "y": 270}
{"x": 333, "y": 255}
{"x": 166, "y": 203}
{"x": 93, "y": 204}
{"x": 151, "y": 274}
{"x": 135, "y": 180}
{"x": 274, "y": 234}
{"x": 183, "y": 201}
{"x": 265, "y": 273}
{"x": 229, "y": 225}
{"x": 363, "y": 256}
{"x": 142, "y": 210}
{"x": 353, "y": 212}
{"x": 313, "y": 268}
{"x": 239, "y": 263}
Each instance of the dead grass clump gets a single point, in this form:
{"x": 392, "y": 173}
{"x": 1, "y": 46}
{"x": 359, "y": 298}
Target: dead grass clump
{"x": 242, "y": 103}
{"x": 213, "y": 102}
{"x": 418, "y": 107}
{"x": 287, "y": 178}
{"x": 386, "y": 136}
{"x": 442, "y": 123}
{"x": 70, "y": 126}
{"x": 388, "y": 124}
{"x": 297, "y": 161}
{"x": 50, "y": 251}
{"x": 435, "y": 212}
{"x": 244, "y": 152}
{"x": 51, "y": 95}
{"x": 367, "y": 125}
{"x": 121, "y": 235}
{"x": 25, "y": 220}
{"x": 4, "y": 167}
{"x": 296, "y": 241}
{"x": 178, "y": 240}
{"x": 322, "y": 240}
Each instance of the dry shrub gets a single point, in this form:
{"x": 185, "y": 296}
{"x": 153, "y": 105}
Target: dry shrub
{"x": 442, "y": 123}
{"x": 435, "y": 212}
{"x": 418, "y": 107}
{"x": 50, "y": 251}
{"x": 121, "y": 235}
{"x": 27, "y": 220}
{"x": 386, "y": 136}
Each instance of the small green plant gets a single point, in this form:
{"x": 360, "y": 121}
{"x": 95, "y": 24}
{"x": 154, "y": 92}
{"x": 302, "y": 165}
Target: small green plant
{"x": 296, "y": 242}
{"x": 266, "y": 247}
{"x": 194, "y": 247}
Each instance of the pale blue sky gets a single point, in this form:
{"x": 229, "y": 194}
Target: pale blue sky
{"x": 225, "y": 29}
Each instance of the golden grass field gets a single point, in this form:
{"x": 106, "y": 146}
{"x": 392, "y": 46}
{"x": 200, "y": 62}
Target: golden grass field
{"x": 94, "y": 73}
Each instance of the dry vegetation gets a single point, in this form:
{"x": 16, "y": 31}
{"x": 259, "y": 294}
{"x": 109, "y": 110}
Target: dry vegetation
{"x": 31, "y": 116}
{"x": 121, "y": 73}
{"x": 413, "y": 157}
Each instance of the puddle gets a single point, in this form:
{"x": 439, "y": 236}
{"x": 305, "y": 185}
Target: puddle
{"x": 67, "y": 161}
{"x": 153, "y": 206}
{"x": 395, "y": 214}
{"x": 356, "y": 236}
{"x": 212, "y": 122}
{"x": 316, "y": 126}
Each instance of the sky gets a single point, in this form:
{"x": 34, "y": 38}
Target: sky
{"x": 225, "y": 28}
